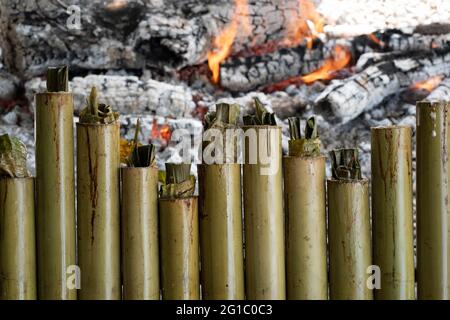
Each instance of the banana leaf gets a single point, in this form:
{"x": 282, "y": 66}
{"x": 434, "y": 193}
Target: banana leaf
{"x": 309, "y": 146}
{"x": 178, "y": 181}
{"x": 261, "y": 116}
{"x": 97, "y": 113}
{"x": 13, "y": 157}
{"x": 345, "y": 164}
{"x": 58, "y": 79}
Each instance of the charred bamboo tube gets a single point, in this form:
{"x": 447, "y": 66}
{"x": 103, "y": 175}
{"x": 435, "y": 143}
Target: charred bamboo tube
{"x": 264, "y": 217}
{"x": 179, "y": 248}
{"x": 56, "y": 235}
{"x": 432, "y": 201}
{"x": 306, "y": 252}
{"x": 221, "y": 231}
{"x": 392, "y": 212}
{"x": 17, "y": 239}
{"x": 98, "y": 162}
{"x": 349, "y": 239}
{"x": 140, "y": 233}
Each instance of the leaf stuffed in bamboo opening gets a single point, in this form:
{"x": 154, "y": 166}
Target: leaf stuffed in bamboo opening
{"x": 221, "y": 210}
{"x": 349, "y": 228}
{"x": 98, "y": 162}
{"x": 17, "y": 223}
{"x": 140, "y": 260}
{"x": 392, "y": 211}
{"x": 433, "y": 247}
{"x": 179, "y": 243}
{"x": 263, "y": 207}
{"x": 55, "y": 182}
{"x": 304, "y": 190}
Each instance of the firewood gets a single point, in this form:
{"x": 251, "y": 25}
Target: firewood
{"x": 344, "y": 100}
{"x": 251, "y": 72}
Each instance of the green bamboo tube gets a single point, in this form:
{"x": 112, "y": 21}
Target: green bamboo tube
{"x": 432, "y": 201}
{"x": 56, "y": 232}
{"x": 306, "y": 235}
{"x": 179, "y": 248}
{"x": 264, "y": 221}
{"x": 17, "y": 239}
{"x": 221, "y": 232}
{"x": 349, "y": 239}
{"x": 98, "y": 162}
{"x": 392, "y": 212}
{"x": 140, "y": 260}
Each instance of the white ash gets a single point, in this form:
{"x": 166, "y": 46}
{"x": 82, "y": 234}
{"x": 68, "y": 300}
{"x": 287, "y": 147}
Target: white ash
{"x": 127, "y": 94}
{"x": 351, "y": 17}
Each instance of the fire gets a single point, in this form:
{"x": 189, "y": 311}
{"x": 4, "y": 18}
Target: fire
{"x": 429, "y": 84}
{"x": 116, "y": 5}
{"x": 339, "y": 60}
{"x": 307, "y": 26}
{"x": 164, "y": 133}
{"x": 223, "y": 43}
{"x": 375, "y": 40}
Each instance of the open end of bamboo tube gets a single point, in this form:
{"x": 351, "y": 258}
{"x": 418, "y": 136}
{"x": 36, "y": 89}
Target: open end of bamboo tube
{"x": 309, "y": 146}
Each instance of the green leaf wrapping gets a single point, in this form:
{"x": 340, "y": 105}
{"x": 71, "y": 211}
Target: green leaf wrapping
{"x": 95, "y": 113}
{"x": 309, "y": 146}
{"x": 141, "y": 155}
{"x": 178, "y": 181}
{"x": 58, "y": 79}
{"x": 345, "y": 164}
{"x": 13, "y": 157}
{"x": 261, "y": 116}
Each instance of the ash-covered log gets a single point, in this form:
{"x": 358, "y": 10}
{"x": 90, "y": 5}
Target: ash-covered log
{"x": 129, "y": 94}
{"x": 115, "y": 34}
{"x": 252, "y": 72}
{"x": 344, "y": 100}
{"x": 441, "y": 92}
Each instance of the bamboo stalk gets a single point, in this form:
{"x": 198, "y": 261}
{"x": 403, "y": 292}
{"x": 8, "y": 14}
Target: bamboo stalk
{"x": 306, "y": 245}
{"x": 98, "y": 161}
{"x": 432, "y": 201}
{"x": 17, "y": 239}
{"x": 349, "y": 228}
{"x": 349, "y": 239}
{"x": 56, "y": 235}
{"x": 221, "y": 231}
{"x": 392, "y": 211}
{"x": 179, "y": 248}
{"x": 264, "y": 218}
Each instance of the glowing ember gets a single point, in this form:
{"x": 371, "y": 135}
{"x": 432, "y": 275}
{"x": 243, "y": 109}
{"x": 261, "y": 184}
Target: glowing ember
{"x": 165, "y": 133}
{"x": 116, "y": 4}
{"x": 223, "y": 43}
{"x": 375, "y": 40}
{"x": 339, "y": 60}
{"x": 429, "y": 84}
{"x": 155, "y": 130}
{"x": 306, "y": 26}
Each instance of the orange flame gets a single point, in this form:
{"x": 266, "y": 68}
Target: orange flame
{"x": 116, "y": 5}
{"x": 339, "y": 60}
{"x": 429, "y": 84}
{"x": 306, "y": 26}
{"x": 375, "y": 40}
{"x": 223, "y": 43}
{"x": 165, "y": 133}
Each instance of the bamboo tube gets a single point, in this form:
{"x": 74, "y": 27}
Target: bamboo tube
{"x": 221, "y": 231}
{"x": 392, "y": 211}
{"x": 17, "y": 239}
{"x": 56, "y": 235}
{"x": 349, "y": 239}
{"x": 140, "y": 233}
{"x": 264, "y": 218}
{"x": 306, "y": 244}
{"x": 179, "y": 248}
{"x": 432, "y": 201}
{"x": 98, "y": 164}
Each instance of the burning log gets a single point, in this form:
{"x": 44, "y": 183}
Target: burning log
{"x": 441, "y": 93}
{"x": 246, "y": 73}
{"x": 348, "y": 98}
